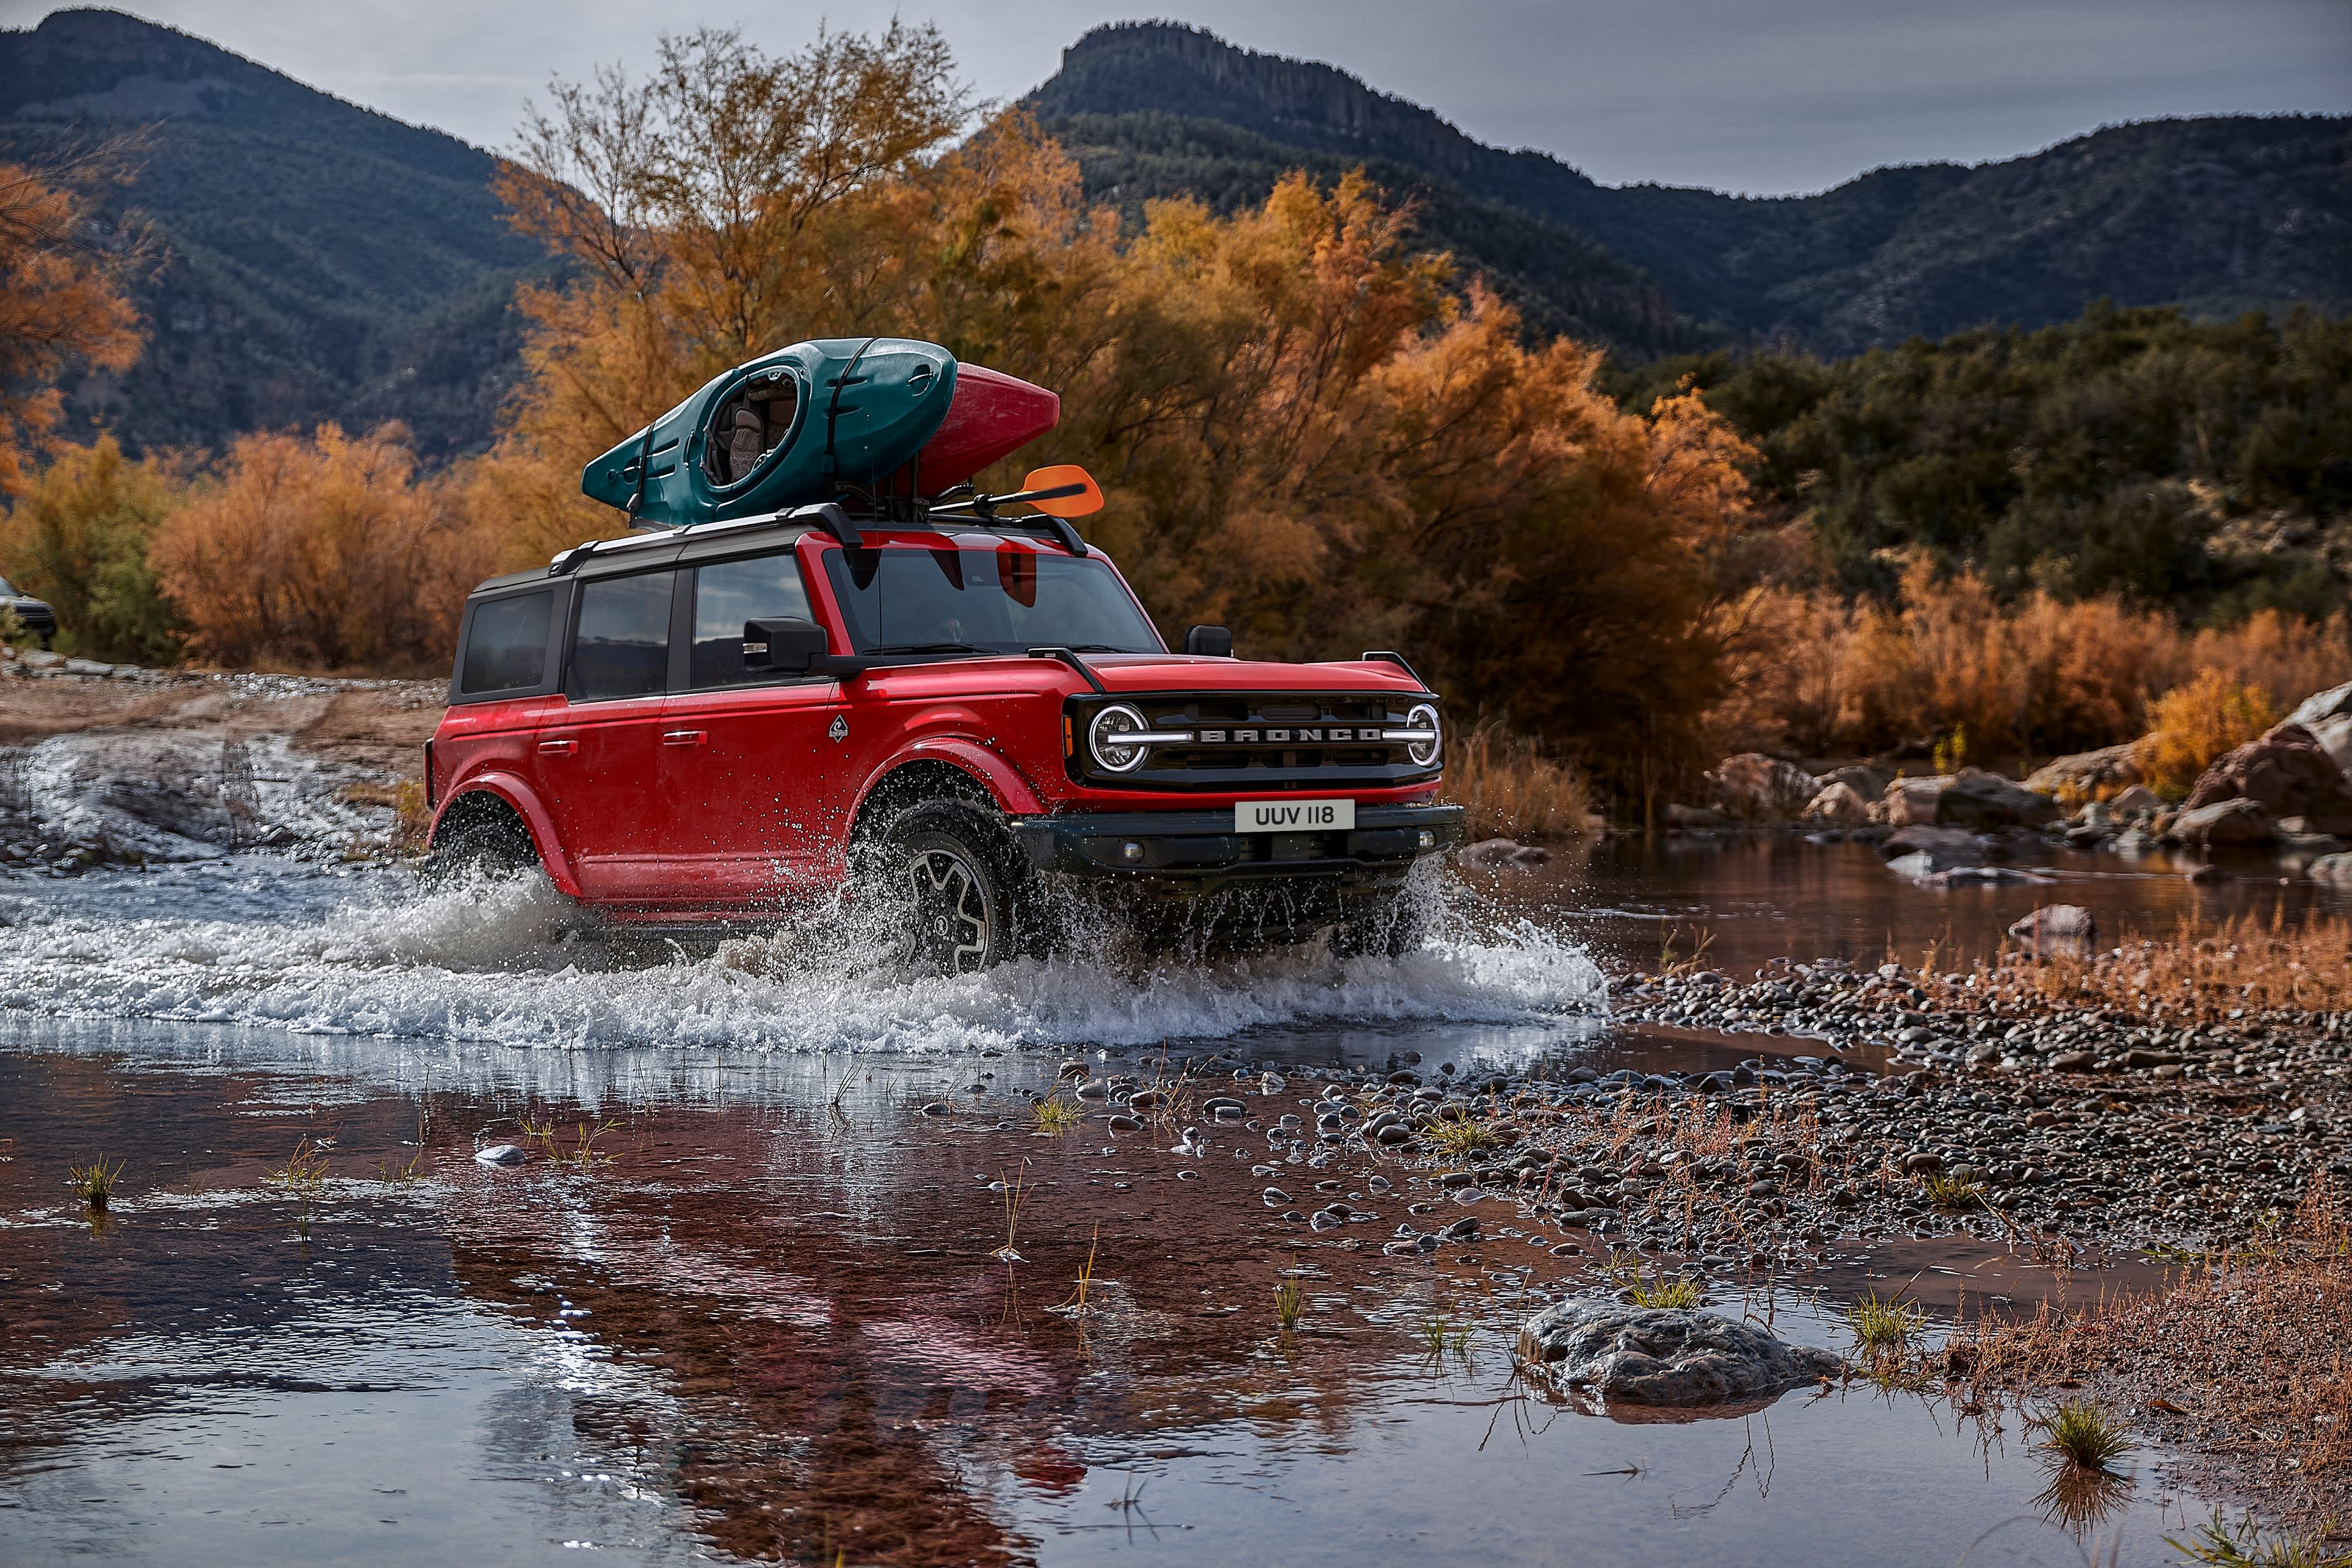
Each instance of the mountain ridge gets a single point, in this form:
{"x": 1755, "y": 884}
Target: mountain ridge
{"x": 321, "y": 261}
{"x": 1884, "y": 255}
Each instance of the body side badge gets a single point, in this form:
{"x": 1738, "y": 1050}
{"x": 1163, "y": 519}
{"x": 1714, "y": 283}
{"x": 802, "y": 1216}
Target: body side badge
{"x": 839, "y": 729}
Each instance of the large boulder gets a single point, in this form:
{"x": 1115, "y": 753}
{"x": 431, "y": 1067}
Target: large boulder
{"x": 2287, "y": 773}
{"x": 1980, "y": 799}
{"x": 2139, "y": 801}
{"x": 2329, "y": 716}
{"x": 1754, "y": 787}
{"x": 2088, "y": 775}
{"x": 2223, "y": 823}
{"x": 1864, "y": 781}
{"x": 1838, "y": 806}
{"x": 2067, "y": 922}
{"x": 2335, "y": 869}
{"x": 1649, "y": 1355}
{"x": 1914, "y": 802}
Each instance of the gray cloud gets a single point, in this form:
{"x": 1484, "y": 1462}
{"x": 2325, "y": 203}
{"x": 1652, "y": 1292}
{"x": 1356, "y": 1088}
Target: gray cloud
{"x": 1723, "y": 93}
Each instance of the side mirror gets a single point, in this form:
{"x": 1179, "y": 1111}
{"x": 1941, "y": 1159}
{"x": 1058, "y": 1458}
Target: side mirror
{"x": 1213, "y": 642}
{"x": 787, "y": 643}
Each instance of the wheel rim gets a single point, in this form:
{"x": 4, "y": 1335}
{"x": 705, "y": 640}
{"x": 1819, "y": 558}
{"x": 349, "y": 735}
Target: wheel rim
{"x": 949, "y": 914}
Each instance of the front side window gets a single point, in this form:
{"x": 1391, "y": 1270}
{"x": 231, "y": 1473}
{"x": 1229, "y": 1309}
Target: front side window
{"x": 506, "y": 646}
{"x": 1000, "y": 598}
{"x": 623, "y": 648}
{"x": 765, "y": 587}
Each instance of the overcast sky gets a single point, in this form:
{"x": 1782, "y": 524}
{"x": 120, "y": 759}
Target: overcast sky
{"x": 1741, "y": 97}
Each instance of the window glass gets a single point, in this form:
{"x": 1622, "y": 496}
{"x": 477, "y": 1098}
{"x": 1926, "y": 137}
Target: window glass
{"x": 1001, "y": 599}
{"x": 765, "y": 587}
{"x": 506, "y": 650}
{"x": 623, "y": 650}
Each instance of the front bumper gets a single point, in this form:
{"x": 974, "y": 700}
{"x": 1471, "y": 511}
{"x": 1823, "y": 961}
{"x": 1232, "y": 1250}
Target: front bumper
{"x": 1200, "y": 848}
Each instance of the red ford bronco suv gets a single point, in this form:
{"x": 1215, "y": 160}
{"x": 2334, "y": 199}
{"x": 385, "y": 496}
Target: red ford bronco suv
{"x": 923, "y": 703}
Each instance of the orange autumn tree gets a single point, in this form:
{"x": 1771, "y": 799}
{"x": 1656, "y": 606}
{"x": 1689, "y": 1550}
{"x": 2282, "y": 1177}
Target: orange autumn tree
{"x": 1303, "y": 428}
{"x": 322, "y": 553}
{"x": 62, "y": 303}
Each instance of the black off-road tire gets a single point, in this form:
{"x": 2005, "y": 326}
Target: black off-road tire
{"x": 952, "y": 893}
{"x": 487, "y": 838}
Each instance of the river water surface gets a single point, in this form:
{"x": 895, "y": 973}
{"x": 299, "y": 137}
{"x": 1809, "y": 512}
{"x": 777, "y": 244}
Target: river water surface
{"x": 780, "y": 1308}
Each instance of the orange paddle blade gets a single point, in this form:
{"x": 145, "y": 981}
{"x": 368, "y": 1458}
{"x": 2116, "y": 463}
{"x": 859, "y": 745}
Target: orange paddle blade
{"x": 1084, "y": 503}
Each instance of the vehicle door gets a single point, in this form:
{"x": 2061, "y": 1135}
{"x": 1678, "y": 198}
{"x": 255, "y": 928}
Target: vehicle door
{"x": 600, "y": 766}
{"x": 746, "y": 823}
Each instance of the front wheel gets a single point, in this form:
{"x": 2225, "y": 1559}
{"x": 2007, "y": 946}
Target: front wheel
{"x": 944, "y": 885}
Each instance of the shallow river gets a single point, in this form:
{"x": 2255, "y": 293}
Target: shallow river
{"x": 767, "y": 1313}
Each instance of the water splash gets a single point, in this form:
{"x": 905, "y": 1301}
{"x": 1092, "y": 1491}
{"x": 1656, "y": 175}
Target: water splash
{"x": 504, "y": 960}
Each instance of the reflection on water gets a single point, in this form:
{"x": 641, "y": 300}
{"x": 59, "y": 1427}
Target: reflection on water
{"x": 768, "y": 1316}
{"x": 1774, "y": 895}
{"x": 772, "y": 1323}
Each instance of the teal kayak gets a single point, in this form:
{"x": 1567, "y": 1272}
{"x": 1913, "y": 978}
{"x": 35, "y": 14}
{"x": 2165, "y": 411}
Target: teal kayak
{"x": 788, "y": 429}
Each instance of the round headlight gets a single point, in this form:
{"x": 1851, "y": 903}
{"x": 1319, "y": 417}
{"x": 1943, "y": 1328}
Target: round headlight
{"x": 1102, "y": 738}
{"x": 1424, "y": 752}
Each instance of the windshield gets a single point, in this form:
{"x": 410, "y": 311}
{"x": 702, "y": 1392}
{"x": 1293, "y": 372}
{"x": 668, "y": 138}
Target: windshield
{"x": 992, "y": 599}
{"x": 6, "y": 591}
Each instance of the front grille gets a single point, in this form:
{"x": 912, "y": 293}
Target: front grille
{"x": 1260, "y": 741}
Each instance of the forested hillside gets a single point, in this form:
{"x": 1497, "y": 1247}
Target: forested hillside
{"x": 2217, "y": 216}
{"x": 317, "y": 260}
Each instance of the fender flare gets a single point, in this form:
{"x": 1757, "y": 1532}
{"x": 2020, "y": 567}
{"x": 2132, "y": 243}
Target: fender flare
{"x": 517, "y": 794}
{"x": 1005, "y": 787}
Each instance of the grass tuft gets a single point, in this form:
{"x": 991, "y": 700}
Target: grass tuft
{"x": 1885, "y": 1329}
{"x": 1952, "y": 1194}
{"x": 1457, "y": 1139}
{"x": 95, "y": 1181}
{"x": 2081, "y": 1435}
{"x": 1057, "y": 1116}
{"x": 1674, "y": 1295}
{"x": 1290, "y": 1303}
{"x": 2221, "y": 1546}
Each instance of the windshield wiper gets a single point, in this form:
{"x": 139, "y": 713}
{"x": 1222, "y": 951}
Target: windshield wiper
{"x": 927, "y": 648}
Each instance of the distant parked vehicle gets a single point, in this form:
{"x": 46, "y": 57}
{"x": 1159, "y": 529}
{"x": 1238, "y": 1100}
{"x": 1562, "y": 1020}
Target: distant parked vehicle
{"x": 32, "y": 614}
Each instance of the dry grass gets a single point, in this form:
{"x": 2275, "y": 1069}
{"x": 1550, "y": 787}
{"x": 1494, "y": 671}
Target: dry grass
{"x": 2079, "y": 1433}
{"x": 2191, "y": 724}
{"x": 1056, "y": 1116}
{"x": 2197, "y": 976}
{"x": 1510, "y": 789}
{"x": 2239, "y": 1355}
{"x": 1820, "y": 675}
{"x": 1289, "y": 1304}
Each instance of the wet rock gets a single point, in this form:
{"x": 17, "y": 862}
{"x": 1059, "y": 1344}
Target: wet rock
{"x": 1681, "y": 816}
{"x": 1839, "y": 805}
{"x": 2287, "y": 773}
{"x": 1754, "y": 787}
{"x": 1641, "y": 1355}
{"x": 2206, "y": 875}
{"x": 2337, "y": 869}
{"x": 1943, "y": 847}
{"x": 2224, "y": 822}
{"x": 1977, "y": 799}
{"x": 2070, "y": 921}
{"x": 2088, "y": 773}
{"x": 501, "y": 1155}
{"x": 2139, "y": 801}
{"x": 1493, "y": 854}
{"x": 2329, "y": 716}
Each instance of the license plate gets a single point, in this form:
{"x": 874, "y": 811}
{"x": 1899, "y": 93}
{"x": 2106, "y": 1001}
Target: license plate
{"x": 1292, "y": 816}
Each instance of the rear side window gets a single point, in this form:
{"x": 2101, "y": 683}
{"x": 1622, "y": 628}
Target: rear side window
{"x": 622, "y": 646}
{"x": 506, "y": 648}
{"x": 765, "y": 587}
